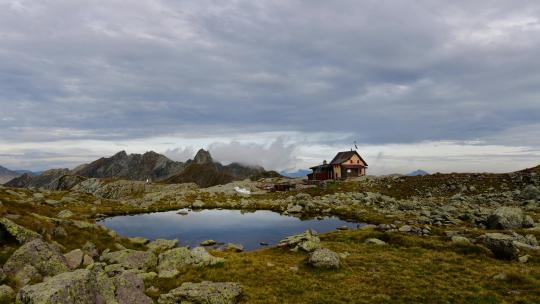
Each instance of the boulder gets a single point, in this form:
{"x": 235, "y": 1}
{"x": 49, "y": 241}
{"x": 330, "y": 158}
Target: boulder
{"x": 171, "y": 261}
{"x": 42, "y": 256}
{"x": 524, "y": 259}
{"x": 87, "y": 260}
{"x": 90, "y": 249}
{"x": 405, "y": 228}
{"x": 66, "y": 288}
{"x": 531, "y": 192}
{"x": 374, "y": 241}
{"x": 234, "y": 247}
{"x": 457, "y": 239}
{"x": 131, "y": 259}
{"x": 324, "y": 258}
{"x": 508, "y": 218}
{"x": 161, "y": 245}
{"x": 307, "y": 241}
{"x": 7, "y": 295}
{"x": 65, "y": 214}
{"x": 21, "y": 234}
{"x": 501, "y": 245}
{"x": 208, "y": 243}
{"x": 203, "y": 293}
{"x": 130, "y": 289}
{"x": 74, "y": 258}
{"x": 528, "y": 222}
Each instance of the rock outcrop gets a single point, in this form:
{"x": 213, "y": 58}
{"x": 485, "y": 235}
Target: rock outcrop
{"x": 171, "y": 261}
{"x": 38, "y": 254}
{"x": 87, "y": 286}
{"x": 509, "y": 218}
{"x": 203, "y": 293}
{"x": 21, "y": 234}
{"x": 307, "y": 241}
{"x": 131, "y": 259}
{"x": 66, "y": 288}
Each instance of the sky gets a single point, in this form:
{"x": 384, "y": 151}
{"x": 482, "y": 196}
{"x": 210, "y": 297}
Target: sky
{"x": 444, "y": 86}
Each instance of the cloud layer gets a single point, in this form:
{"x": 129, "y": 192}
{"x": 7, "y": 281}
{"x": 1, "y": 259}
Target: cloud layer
{"x": 380, "y": 72}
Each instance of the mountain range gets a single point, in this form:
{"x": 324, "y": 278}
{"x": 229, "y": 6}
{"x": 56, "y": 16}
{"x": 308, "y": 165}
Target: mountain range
{"x": 6, "y": 174}
{"x": 417, "y": 172}
{"x": 150, "y": 166}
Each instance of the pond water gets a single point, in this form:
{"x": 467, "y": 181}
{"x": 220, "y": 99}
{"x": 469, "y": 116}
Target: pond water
{"x": 224, "y": 226}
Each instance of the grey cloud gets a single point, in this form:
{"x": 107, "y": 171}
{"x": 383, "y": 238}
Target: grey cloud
{"x": 396, "y": 71}
{"x": 277, "y": 155}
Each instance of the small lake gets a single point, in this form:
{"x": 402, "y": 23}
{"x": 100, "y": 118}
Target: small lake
{"x": 224, "y": 226}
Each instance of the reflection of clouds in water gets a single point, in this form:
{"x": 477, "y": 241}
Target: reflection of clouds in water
{"x": 248, "y": 228}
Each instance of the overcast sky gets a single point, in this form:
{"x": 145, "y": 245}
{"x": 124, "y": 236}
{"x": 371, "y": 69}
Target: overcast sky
{"x": 437, "y": 85}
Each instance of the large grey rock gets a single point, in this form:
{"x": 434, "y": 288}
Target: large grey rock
{"x": 90, "y": 249}
{"x": 91, "y": 285}
{"x": 7, "y": 295}
{"x": 21, "y": 234}
{"x": 203, "y": 293}
{"x": 130, "y": 289}
{"x": 307, "y": 241}
{"x": 324, "y": 258}
{"x": 67, "y": 288}
{"x": 74, "y": 258}
{"x": 171, "y": 261}
{"x": 501, "y": 245}
{"x": 44, "y": 257}
{"x": 132, "y": 259}
{"x": 508, "y": 218}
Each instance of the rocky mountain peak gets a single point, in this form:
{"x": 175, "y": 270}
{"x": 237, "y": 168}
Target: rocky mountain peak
{"x": 120, "y": 155}
{"x": 203, "y": 157}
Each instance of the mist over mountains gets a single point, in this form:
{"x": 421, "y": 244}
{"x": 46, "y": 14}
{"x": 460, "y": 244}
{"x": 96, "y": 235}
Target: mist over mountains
{"x": 150, "y": 166}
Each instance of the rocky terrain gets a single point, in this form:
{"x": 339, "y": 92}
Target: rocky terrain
{"x": 441, "y": 238}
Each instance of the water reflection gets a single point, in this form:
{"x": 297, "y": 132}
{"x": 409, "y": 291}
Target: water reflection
{"x": 224, "y": 226}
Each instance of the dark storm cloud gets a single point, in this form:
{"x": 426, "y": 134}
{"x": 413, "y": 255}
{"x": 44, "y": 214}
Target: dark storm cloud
{"x": 387, "y": 71}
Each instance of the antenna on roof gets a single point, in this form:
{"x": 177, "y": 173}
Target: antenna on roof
{"x": 355, "y": 146}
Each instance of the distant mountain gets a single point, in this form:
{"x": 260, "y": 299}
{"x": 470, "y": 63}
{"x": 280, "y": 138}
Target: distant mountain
{"x": 33, "y": 173}
{"x": 46, "y": 179}
{"x": 202, "y": 170}
{"x": 417, "y": 172}
{"x": 298, "y": 173}
{"x": 150, "y": 165}
{"x": 7, "y": 175}
{"x": 205, "y": 172}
